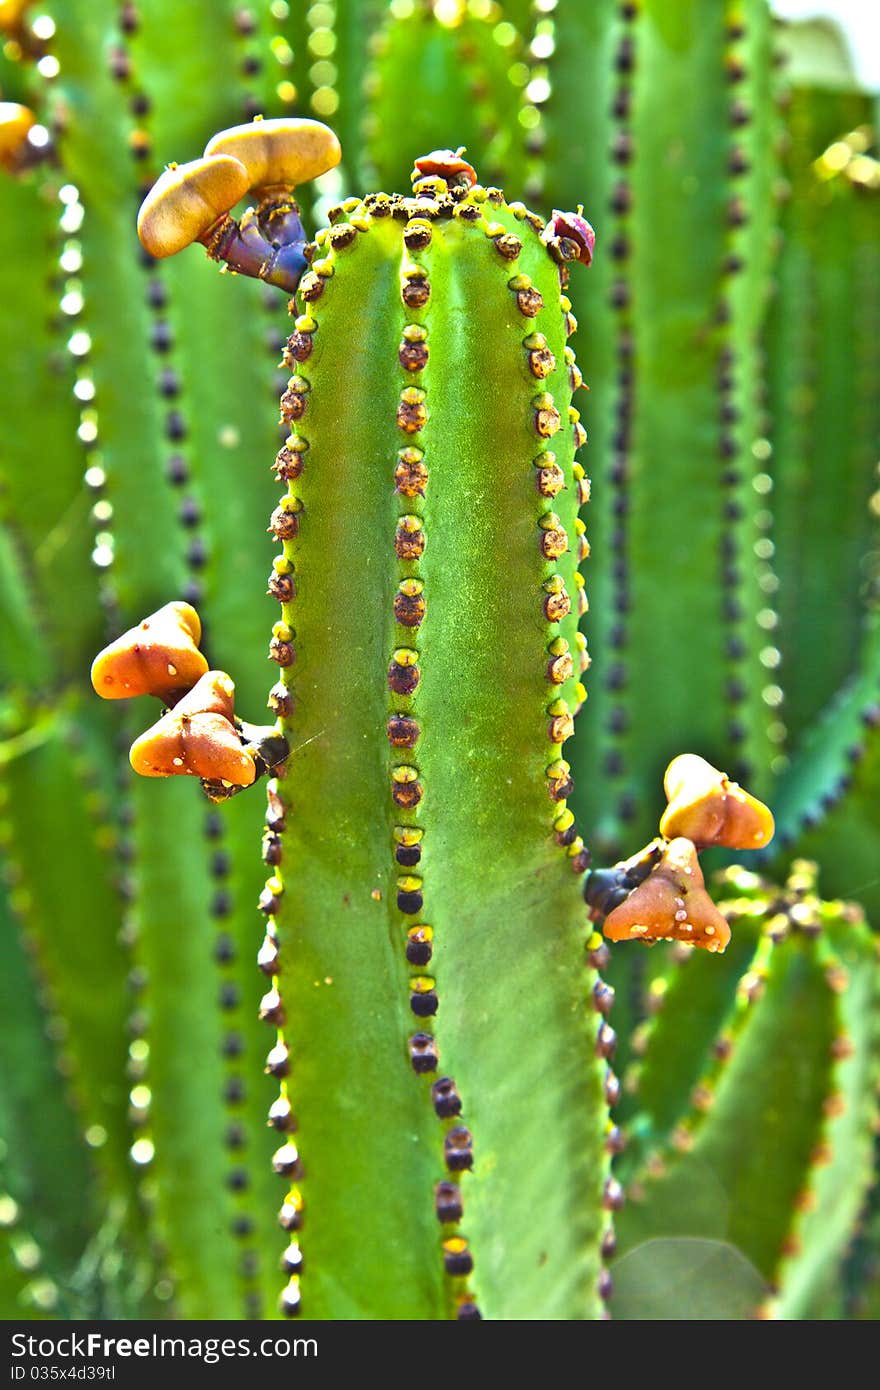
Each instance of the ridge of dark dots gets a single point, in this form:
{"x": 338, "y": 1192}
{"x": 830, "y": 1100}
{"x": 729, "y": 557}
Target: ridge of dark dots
{"x": 729, "y": 446}
{"x": 411, "y": 474}
{"x": 284, "y": 525}
{"x": 178, "y": 472}
{"x": 137, "y": 1067}
{"x": 616, "y": 674}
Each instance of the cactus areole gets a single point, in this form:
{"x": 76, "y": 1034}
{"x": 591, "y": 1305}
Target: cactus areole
{"x": 429, "y": 669}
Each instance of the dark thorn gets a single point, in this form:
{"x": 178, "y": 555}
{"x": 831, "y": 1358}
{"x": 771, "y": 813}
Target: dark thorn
{"x": 423, "y": 1053}
{"x": 234, "y": 1091}
{"x": 447, "y": 1202}
{"x": 458, "y": 1149}
{"x": 224, "y": 949}
{"x": 445, "y": 1098}
{"x": 468, "y": 1312}
{"x": 424, "y": 1005}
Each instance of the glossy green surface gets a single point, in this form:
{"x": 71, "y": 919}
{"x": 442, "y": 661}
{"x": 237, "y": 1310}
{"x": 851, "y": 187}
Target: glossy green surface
{"x": 492, "y": 875}
{"x": 774, "y": 1160}
{"x": 457, "y": 79}
{"x": 732, "y": 426}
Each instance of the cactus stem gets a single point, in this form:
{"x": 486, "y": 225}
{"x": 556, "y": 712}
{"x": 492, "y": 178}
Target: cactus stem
{"x": 530, "y": 415}
{"x": 745, "y": 569}
{"x": 287, "y": 518}
{"x": 177, "y": 465}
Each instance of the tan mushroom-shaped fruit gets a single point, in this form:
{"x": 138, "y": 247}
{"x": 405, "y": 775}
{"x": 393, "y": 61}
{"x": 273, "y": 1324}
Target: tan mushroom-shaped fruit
{"x": 280, "y": 153}
{"x": 197, "y": 738}
{"x": 190, "y": 202}
{"x": 158, "y": 657}
{"x": 707, "y": 808}
{"x": 671, "y": 904}
{"x": 15, "y": 123}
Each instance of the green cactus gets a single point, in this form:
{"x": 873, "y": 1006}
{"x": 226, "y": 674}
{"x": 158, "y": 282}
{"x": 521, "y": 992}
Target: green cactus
{"x": 770, "y": 1155}
{"x": 420, "y": 625}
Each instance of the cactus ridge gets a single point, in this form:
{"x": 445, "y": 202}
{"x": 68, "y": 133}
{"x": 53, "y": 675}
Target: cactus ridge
{"x": 841, "y": 738}
{"x": 35, "y": 1259}
{"x": 42, "y": 521}
{"x": 809, "y": 383}
{"x": 40, "y": 786}
{"x": 719, "y": 161}
{"x": 458, "y": 70}
{"x": 623, "y": 312}
{"x": 748, "y": 580}
{"x": 684, "y": 1130}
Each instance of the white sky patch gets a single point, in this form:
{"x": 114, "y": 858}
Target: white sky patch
{"x": 860, "y": 22}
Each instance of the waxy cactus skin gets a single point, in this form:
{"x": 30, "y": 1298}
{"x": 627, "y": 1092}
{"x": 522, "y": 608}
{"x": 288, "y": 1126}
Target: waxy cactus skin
{"x": 440, "y": 440}
{"x": 168, "y": 1160}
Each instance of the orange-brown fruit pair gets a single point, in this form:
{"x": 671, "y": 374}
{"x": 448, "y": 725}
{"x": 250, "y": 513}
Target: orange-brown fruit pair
{"x": 671, "y": 904}
{"x": 197, "y": 738}
{"x": 706, "y": 807}
{"x": 189, "y": 202}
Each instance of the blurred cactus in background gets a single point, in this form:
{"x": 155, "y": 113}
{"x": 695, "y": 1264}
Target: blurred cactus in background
{"x": 728, "y": 334}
